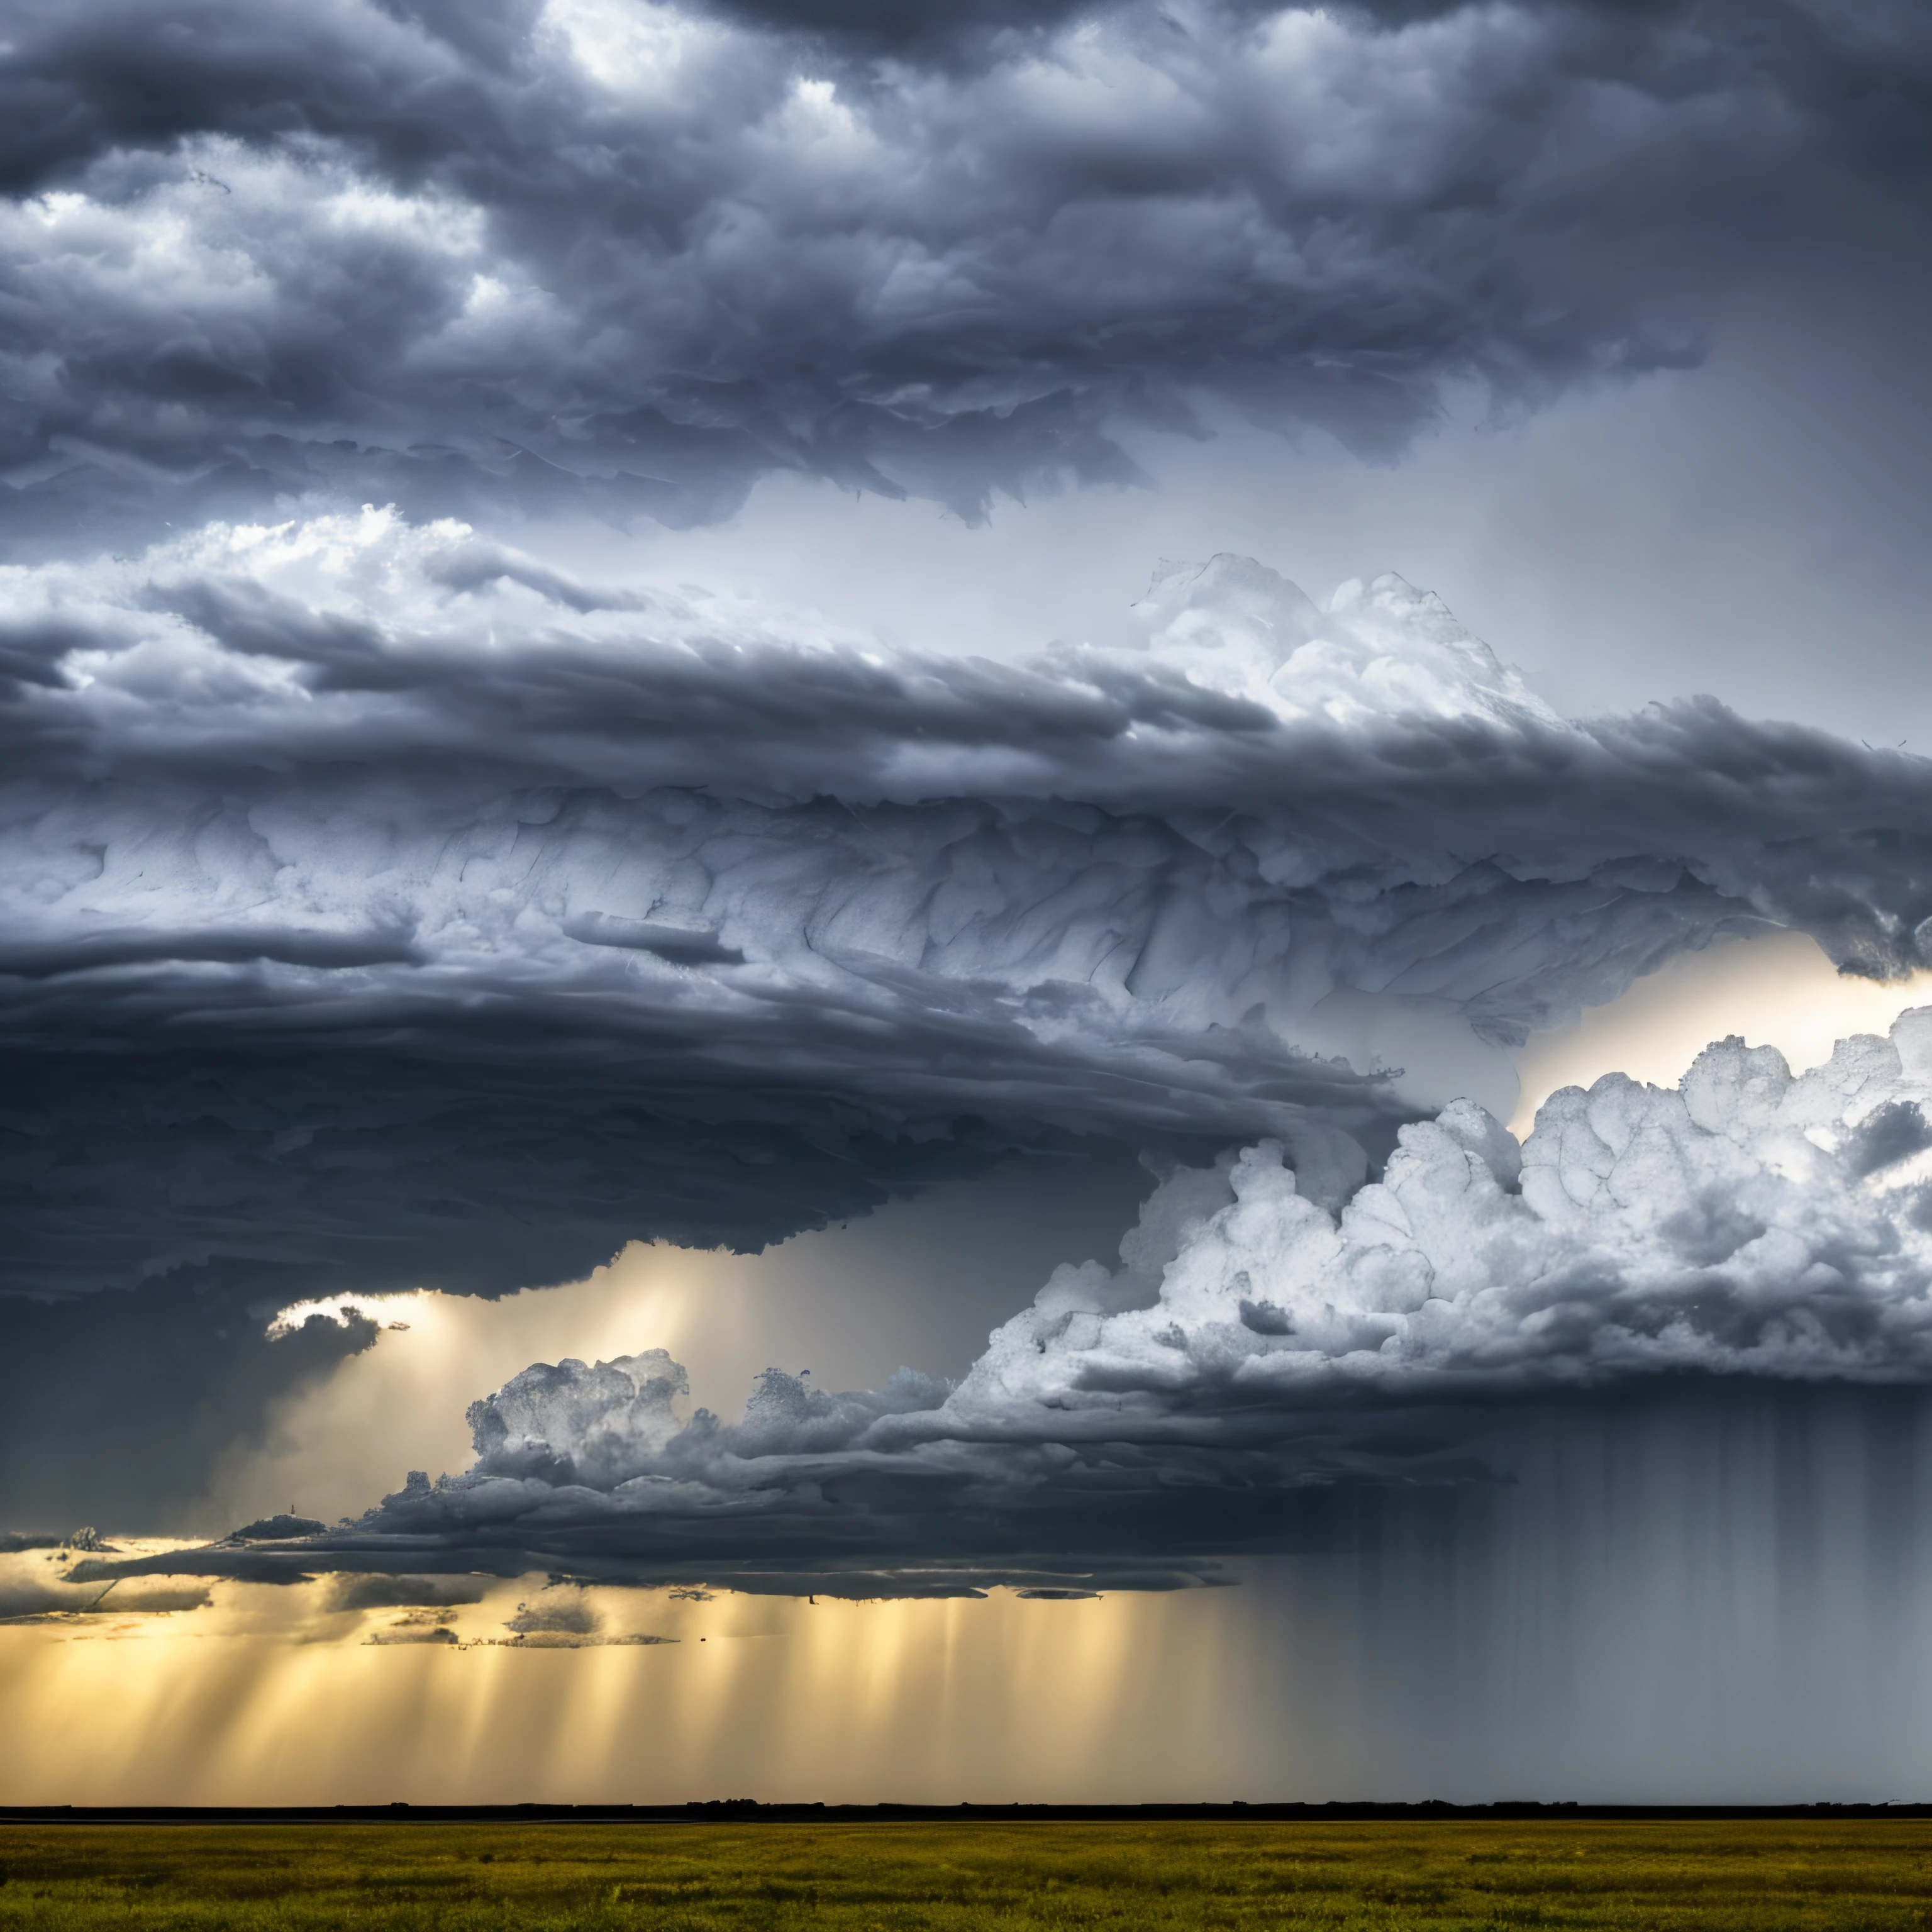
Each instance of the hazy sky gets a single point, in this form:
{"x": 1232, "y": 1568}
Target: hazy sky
{"x": 874, "y": 747}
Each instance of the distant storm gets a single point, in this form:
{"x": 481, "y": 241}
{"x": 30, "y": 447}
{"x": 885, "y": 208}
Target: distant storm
{"x": 659, "y": 643}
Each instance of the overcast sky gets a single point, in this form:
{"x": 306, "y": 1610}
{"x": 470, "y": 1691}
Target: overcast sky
{"x": 624, "y": 622}
{"x": 1616, "y": 308}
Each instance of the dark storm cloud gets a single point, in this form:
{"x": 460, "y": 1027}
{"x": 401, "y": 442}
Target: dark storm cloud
{"x": 622, "y": 259}
{"x": 383, "y": 909}
{"x": 378, "y": 1592}
{"x": 381, "y": 906}
{"x": 1261, "y": 1373}
{"x": 380, "y": 909}
{"x": 123, "y": 1405}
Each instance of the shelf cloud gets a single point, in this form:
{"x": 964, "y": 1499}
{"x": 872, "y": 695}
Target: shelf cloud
{"x": 381, "y": 909}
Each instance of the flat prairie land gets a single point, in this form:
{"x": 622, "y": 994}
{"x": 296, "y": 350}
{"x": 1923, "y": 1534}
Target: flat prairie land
{"x": 1744, "y": 1876}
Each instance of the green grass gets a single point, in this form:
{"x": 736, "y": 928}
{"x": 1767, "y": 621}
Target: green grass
{"x": 1741, "y": 1877}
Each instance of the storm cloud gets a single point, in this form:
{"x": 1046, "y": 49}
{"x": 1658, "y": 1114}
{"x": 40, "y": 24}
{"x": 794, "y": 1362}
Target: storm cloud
{"x": 621, "y": 259}
{"x": 381, "y": 909}
{"x": 120, "y": 1405}
{"x": 383, "y": 905}
{"x": 410, "y": 877}
{"x": 1260, "y": 1372}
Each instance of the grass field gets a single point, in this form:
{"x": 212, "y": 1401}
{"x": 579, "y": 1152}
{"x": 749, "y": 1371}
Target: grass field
{"x": 1754, "y": 1875}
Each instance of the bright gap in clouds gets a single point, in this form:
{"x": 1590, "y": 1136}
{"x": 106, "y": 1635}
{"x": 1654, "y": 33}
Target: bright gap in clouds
{"x": 1778, "y": 991}
{"x": 920, "y": 1282}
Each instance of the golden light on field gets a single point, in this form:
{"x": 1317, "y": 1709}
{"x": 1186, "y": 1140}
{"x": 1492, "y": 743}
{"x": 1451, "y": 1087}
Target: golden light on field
{"x": 267, "y": 1697}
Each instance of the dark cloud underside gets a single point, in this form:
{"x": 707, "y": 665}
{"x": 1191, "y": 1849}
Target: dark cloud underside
{"x": 450, "y": 923}
{"x": 121, "y": 1407}
{"x": 619, "y": 260}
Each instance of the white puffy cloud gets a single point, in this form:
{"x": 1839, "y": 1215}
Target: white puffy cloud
{"x": 595, "y": 1425}
{"x": 1749, "y": 1222}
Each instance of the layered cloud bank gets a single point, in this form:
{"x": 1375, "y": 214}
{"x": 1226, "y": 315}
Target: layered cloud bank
{"x": 619, "y": 257}
{"x": 379, "y": 908}
{"x": 1258, "y": 1364}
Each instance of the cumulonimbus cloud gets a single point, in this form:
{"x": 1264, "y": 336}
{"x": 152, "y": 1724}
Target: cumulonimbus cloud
{"x": 378, "y": 907}
{"x": 623, "y": 258}
{"x": 1255, "y": 1357}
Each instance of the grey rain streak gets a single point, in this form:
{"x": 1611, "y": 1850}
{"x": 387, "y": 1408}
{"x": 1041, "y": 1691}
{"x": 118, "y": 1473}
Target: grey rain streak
{"x": 345, "y": 252}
